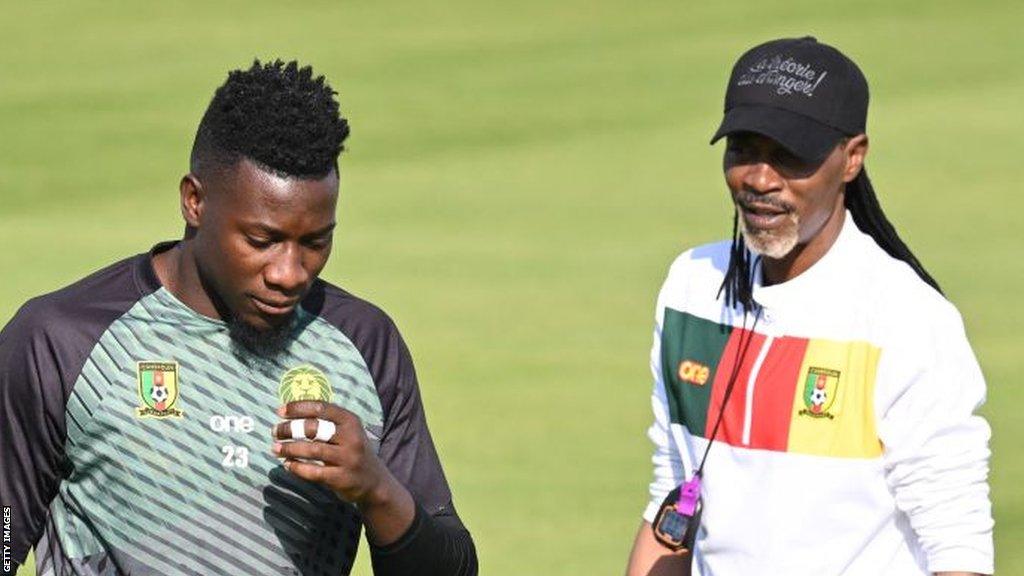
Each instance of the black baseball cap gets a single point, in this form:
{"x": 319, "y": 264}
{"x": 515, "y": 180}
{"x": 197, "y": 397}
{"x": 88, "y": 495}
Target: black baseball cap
{"x": 801, "y": 93}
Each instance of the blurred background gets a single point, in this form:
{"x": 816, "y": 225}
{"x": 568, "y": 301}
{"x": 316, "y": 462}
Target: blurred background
{"x": 518, "y": 179}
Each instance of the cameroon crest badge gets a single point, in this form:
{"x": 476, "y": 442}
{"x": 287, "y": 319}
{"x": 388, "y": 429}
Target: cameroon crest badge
{"x": 820, "y": 390}
{"x": 158, "y": 390}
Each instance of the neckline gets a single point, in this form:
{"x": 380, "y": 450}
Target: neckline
{"x": 150, "y": 282}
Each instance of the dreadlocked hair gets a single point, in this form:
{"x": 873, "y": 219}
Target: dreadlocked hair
{"x": 276, "y": 114}
{"x": 863, "y": 205}
{"x": 738, "y": 284}
{"x": 861, "y": 201}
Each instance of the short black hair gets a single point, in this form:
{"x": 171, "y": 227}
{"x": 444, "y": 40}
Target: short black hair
{"x": 276, "y": 114}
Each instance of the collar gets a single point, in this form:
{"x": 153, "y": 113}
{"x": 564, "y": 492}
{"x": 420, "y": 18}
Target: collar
{"x": 145, "y": 273}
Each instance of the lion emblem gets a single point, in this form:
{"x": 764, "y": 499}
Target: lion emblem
{"x": 304, "y": 383}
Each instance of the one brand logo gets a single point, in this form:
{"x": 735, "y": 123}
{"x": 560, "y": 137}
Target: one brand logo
{"x": 304, "y": 383}
{"x": 231, "y": 423}
{"x": 693, "y": 372}
{"x": 820, "y": 388}
{"x": 158, "y": 390}
{"x": 786, "y": 74}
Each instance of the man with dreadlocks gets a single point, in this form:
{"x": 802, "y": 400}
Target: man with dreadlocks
{"x": 135, "y": 404}
{"x": 814, "y": 392}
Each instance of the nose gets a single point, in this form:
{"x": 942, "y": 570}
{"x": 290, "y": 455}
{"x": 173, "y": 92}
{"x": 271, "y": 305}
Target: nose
{"x": 761, "y": 178}
{"x": 286, "y": 271}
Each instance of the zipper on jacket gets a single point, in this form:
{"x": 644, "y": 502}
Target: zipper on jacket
{"x": 751, "y": 381}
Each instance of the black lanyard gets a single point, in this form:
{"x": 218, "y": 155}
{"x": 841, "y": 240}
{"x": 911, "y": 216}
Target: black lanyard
{"x": 676, "y": 523}
{"x": 741, "y": 356}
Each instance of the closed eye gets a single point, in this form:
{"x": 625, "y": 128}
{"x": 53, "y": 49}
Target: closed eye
{"x": 321, "y": 239}
{"x": 258, "y": 242}
{"x": 318, "y": 243}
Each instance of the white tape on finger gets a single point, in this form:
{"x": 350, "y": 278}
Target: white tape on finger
{"x": 325, "y": 430}
{"x": 298, "y": 428}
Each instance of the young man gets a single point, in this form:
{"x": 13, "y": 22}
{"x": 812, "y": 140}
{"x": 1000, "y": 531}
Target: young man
{"x": 135, "y": 404}
{"x": 812, "y": 386}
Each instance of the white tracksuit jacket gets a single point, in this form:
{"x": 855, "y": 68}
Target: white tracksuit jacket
{"x": 849, "y": 444}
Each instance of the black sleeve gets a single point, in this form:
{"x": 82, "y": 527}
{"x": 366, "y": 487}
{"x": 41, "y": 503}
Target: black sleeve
{"x": 433, "y": 546}
{"x": 42, "y": 351}
{"x": 32, "y": 428}
{"x": 406, "y": 446}
{"x": 437, "y": 540}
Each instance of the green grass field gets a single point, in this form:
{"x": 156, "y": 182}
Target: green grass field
{"x": 518, "y": 179}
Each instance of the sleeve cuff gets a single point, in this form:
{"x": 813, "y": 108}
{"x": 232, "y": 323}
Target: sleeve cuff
{"x": 432, "y": 546}
{"x": 651, "y": 512}
{"x": 405, "y": 539}
{"x": 962, "y": 560}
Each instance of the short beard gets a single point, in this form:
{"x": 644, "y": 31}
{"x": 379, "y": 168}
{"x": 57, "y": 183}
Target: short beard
{"x": 774, "y": 244}
{"x": 267, "y": 343}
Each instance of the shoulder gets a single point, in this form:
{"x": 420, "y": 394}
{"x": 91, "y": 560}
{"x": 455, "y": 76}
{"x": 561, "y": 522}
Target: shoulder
{"x": 367, "y": 327}
{"x": 702, "y": 261}
{"x": 355, "y": 317}
{"x": 695, "y": 276}
{"x": 87, "y": 305}
{"x": 905, "y": 308}
{"x": 54, "y": 333}
{"x": 705, "y": 264}
{"x": 374, "y": 335}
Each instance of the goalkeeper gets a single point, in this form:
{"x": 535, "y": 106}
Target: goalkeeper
{"x": 136, "y": 404}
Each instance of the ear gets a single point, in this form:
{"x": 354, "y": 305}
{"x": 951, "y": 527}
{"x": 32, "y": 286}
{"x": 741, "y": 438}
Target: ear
{"x": 193, "y": 199}
{"x": 856, "y": 150}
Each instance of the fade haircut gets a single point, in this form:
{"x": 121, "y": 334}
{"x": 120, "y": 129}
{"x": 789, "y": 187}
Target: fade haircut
{"x": 276, "y": 114}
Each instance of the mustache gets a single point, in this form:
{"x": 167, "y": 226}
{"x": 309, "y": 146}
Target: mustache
{"x": 746, "y": 198}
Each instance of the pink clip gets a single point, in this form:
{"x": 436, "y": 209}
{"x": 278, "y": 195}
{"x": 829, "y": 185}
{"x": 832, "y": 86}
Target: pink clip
{"x": 689, "y": 493}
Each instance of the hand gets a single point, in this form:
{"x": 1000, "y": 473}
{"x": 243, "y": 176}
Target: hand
{"x": 350, "y": 468}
